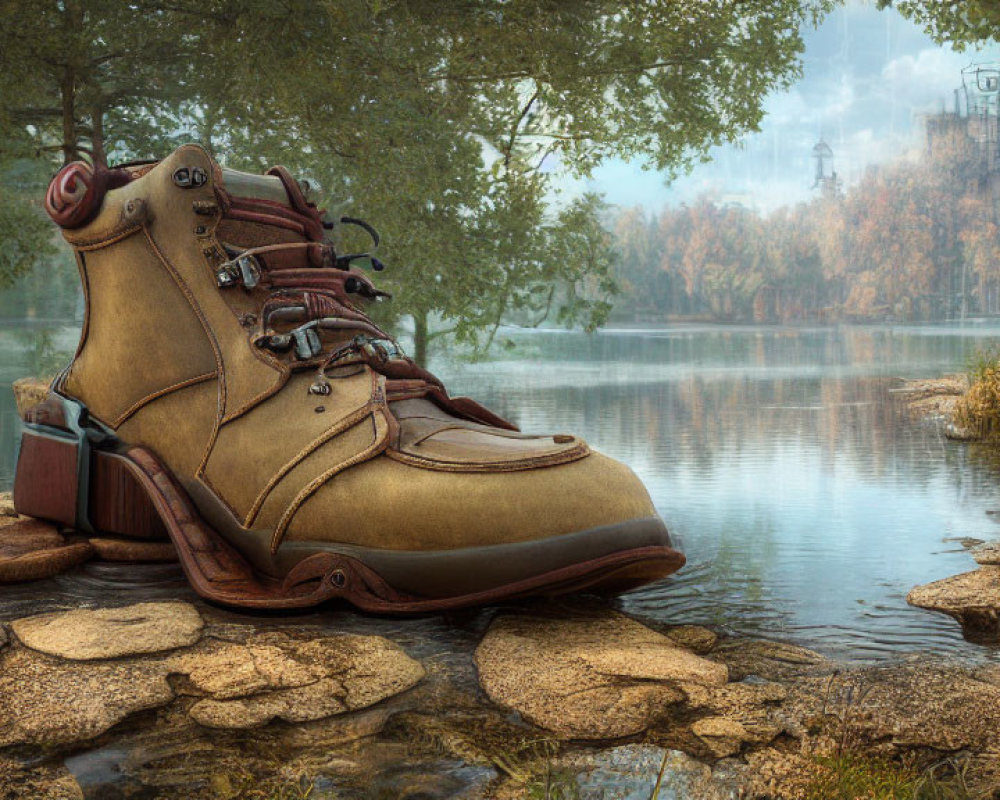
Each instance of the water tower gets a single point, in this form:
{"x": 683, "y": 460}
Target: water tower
{"x": 828, "y": 184}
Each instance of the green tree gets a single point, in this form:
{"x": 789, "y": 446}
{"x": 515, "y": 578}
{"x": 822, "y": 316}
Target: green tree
{"x": 961, "y": 23}
{"x": 447, "y": 124}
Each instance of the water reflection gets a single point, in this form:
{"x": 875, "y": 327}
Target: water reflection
{"x": 807, "y": 503}
{"x": 805, "y": 500}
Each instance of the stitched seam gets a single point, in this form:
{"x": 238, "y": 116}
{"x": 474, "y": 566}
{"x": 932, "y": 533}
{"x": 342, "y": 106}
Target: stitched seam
{"x": 220, "y": 405}
{"x": 343, "y": 425}
{"x": 128, "y": 412}
{"x": 574, "y": 454}
{"x": 81, "y": 265}
{"x": 97, "y": 244}
{"x": 285, "y": 373}
{"x": 378, "y": 445}
{"x": 375, "y": 401}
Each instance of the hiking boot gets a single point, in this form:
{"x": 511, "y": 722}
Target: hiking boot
{"x": 230, "y": 392}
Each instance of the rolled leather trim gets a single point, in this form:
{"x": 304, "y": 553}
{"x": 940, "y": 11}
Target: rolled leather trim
{"x": 76, "y": 192}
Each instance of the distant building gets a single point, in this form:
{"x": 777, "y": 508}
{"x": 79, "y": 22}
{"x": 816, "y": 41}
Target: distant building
{"x": 829, "y": 184}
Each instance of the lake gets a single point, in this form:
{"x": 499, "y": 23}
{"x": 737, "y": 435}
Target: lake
{"x": 807, "y": 503}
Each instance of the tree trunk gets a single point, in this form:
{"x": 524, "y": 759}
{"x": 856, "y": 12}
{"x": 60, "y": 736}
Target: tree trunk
{"x": 420, "y": 335}
{"x": 68, "y": 90}
{"x": 97, "y": 154}
{"x": 72, "y": 25}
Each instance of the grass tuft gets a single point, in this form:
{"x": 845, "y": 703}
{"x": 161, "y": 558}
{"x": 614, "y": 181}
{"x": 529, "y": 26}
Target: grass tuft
{"x": 853, "y": 776}
{"x": 978, "y": 410}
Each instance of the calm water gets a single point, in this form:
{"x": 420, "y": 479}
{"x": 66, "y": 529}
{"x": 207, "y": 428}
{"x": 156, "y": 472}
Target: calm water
{"x": 805, "y": 501}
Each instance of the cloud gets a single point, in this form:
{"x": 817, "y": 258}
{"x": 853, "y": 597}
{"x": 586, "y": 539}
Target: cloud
{"x": 922, "y": 81}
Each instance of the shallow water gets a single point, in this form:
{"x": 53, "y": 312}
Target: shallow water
{"x": 806, "y": 502}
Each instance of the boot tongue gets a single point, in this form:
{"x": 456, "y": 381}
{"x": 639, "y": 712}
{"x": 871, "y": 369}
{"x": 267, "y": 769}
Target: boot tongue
{"x": 256, "y": 187}
{"x": 268, "y": 209}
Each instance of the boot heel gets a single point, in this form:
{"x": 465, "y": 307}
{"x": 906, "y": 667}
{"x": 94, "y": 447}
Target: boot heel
{"x": 61, "y": 477}
{"x": 46, "y": 480}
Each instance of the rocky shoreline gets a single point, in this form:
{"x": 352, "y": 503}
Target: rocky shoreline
{"x": 160, "y": 695}
{"x": 174, "y": 699}
{"x": 972, "y": 598}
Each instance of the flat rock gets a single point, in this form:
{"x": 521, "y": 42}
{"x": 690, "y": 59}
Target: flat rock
{"x": 592, "y": 676}
{"x": 276, "y": 677}
{"x": 973, "y": 598}
{"x": 132, "y": 550}
{"x": 987, "y": 554}
{"x": 55, "y": 702}
{"x": 29, "y": 392}
{"x": 755, "y": 706}
{"x": 85, "y": 634}
{"x": 723, "y": 736}
{"x": 31, "y": 549}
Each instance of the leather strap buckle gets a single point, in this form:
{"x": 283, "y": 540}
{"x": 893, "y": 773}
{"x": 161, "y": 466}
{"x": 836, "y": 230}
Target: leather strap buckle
{"x": 243, "y": 269}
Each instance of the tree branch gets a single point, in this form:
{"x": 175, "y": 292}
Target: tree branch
{"x": 516, "y": 125}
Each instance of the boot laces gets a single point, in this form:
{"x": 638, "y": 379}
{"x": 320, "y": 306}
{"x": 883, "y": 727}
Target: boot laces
{"x": 314, "y": 303}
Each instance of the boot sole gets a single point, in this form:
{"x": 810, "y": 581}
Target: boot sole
{"x": 127, "y": 491}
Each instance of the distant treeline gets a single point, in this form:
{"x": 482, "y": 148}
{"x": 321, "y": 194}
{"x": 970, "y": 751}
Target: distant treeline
{"x": 914, "y": 240}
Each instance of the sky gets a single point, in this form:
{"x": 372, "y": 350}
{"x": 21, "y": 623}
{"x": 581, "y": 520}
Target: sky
{"x": 868, "y": 76}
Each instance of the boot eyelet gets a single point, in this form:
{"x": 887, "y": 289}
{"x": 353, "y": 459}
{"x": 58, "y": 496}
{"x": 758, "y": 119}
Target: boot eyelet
{"x": 338, "y": 578}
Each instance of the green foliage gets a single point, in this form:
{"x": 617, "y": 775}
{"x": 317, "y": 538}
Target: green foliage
{"x": 25, "y": 231}
{"x": 964, "y": 23}
{"x": 982, "y": 361}
{"x": 444, "y": 123}
{"x": 852, "y": 776}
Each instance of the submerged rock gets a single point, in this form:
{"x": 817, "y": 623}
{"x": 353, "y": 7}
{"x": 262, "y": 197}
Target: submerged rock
{"x": 763, "y": 658}
{"x": 595, "y": 676}
{"x": 695, "y": 638}
{"x": 276, "y": 677}
{"x": 85, "y": 634}
{"x": 973, "y": 598}
{"x": 631, "y": 772}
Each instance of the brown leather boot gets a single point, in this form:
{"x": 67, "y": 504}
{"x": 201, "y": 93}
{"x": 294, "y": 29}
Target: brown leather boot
{"x": 230, "y": 392}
